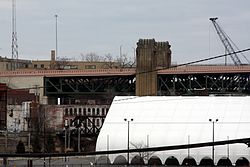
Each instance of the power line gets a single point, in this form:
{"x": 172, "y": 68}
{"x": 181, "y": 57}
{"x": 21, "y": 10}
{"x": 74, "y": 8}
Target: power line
{"x": 174, "y": 123}
{"x": 194, "y": 62}
{"x": 161, "y": 148}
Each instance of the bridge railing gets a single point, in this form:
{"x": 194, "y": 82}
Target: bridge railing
{"x": 123, "y": 71}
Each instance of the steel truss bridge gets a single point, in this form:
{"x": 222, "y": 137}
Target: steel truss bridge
{"x": 188, "y": 80}
{"x": 183, "y": 80}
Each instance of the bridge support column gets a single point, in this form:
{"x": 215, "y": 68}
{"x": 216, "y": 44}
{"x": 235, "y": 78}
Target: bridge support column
{"x": 150, "y": 55}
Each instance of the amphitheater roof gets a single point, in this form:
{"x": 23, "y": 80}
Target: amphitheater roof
{"x": 165, "y": 121}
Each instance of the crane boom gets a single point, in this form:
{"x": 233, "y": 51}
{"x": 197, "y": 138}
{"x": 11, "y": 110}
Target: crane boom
{"x": 226, "y": 42}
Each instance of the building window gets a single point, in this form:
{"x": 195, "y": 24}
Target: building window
{"x": 70, "y": 112}
{"x": 35, "y": 65}
{"x": 42, "y": 65}
{"x": 97, "y": 111}
{"x": 84, "y": 112}
{"x": 66, "y": 112}
{"x": 103, "y": 111}
{"x": 93, "y": 111}
{"x": 80, "y": 111}
{"x": 89, "y": 111}
{"x": 75, "y": 111}
{"x": 90, "y": 66}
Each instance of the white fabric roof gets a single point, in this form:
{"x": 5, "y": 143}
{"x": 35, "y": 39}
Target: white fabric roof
{"x": 171, "y": 120}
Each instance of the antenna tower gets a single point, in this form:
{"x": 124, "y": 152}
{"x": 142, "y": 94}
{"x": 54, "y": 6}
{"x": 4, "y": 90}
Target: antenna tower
{"x": 14, "y": 46}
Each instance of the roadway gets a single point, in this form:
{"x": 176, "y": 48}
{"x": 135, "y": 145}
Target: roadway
{"x": 194, "y": 69}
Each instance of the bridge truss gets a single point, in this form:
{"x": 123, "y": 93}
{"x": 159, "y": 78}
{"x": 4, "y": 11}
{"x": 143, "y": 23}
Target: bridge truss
{"x": 168, "y": 84}
{"x": 90, "y": 86}
{"x": 204, "y": 84}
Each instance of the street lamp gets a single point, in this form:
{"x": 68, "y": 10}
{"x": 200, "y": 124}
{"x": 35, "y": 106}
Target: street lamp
{"x": 66, "y": 125}
{"x": 213, "y": 121}
{"x": 79, "y": 133}
{"x": 128, "y": 121}
{"x": 56, "y": 16}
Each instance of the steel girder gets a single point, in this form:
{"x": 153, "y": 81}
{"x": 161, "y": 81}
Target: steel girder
{"x": 168, "y": 84}
{"x": 87, "y": 125}
{"x": 203, "y": 84}
{"x": 117, "y": 85}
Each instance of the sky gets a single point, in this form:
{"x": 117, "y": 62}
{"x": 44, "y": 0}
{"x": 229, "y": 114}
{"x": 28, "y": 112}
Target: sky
{"x": 106, "y": 26}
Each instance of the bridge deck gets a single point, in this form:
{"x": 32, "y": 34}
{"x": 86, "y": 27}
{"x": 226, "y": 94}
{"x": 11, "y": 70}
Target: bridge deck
{"x": 203, "y": 69}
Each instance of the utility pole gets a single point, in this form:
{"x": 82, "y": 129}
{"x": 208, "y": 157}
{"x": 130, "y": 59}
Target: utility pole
{"x": 14, "y": 46}
{"x": 56, "y": 16}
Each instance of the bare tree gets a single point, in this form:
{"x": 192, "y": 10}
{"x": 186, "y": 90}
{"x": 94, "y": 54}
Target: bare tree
{"x": 109, "y": 61}
{"x": 91, "y": 57}
{"x": 61, "y": 63}
{"x": 143, "y": 155}
{"x": 125, "y": 61}
{"x": 42, "y": 134}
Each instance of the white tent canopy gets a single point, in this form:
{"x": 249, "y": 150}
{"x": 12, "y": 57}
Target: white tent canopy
{"x": 165, "y": 121}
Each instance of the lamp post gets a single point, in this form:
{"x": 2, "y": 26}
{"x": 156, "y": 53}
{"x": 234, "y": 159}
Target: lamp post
{"x": 128, "y": 121}
{"x": 213, "y": 121}
{"x": 66, "y": 125}
{"x": 120, "y": 51}
{"x": 56, "y": 16}
{"x": 79, "y": 135}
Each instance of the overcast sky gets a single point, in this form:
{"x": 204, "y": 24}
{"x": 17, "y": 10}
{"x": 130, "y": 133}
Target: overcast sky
{"x": 103, "y": 26}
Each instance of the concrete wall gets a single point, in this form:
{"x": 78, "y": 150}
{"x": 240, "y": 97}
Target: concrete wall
{"x": 27, "y": 82}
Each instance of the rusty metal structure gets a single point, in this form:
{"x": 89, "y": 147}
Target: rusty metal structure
{"x": 89, "y": 87}
{"x": 205, "y": 80}
{"x": 186, "y": 80}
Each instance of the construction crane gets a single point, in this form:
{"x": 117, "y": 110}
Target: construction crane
{"x": 227, "y": 42}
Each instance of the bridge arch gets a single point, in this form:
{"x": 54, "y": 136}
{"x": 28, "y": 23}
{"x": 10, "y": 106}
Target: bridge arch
{"x": 154, "y": 160}
{"x": 224, "y": 161}
{"x": 103, "y": 160}
{"x": 189, "y": 161}
{"x": 137, "y": 160}
{"x": 242, "y": 161}
{"x": 206, "y": 161}
{"x": 172, "y": 161}
{"x": 120, "y": 160}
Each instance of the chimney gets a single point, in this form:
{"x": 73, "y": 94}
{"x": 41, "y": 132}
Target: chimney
{"x": 53, "y": 59}
{"x": 53, "y": 55}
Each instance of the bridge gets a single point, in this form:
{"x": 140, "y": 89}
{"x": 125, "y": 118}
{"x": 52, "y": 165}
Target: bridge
{"x": 195, "y": 69}
{"x": 182, "y": 80}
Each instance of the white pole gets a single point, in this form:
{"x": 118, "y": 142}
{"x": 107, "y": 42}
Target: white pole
{"x": 188, "y": 147}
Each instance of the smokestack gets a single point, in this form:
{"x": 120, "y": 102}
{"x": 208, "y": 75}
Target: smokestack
{"x": 53, "y": 55}
{"x": 53, "y": 59}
